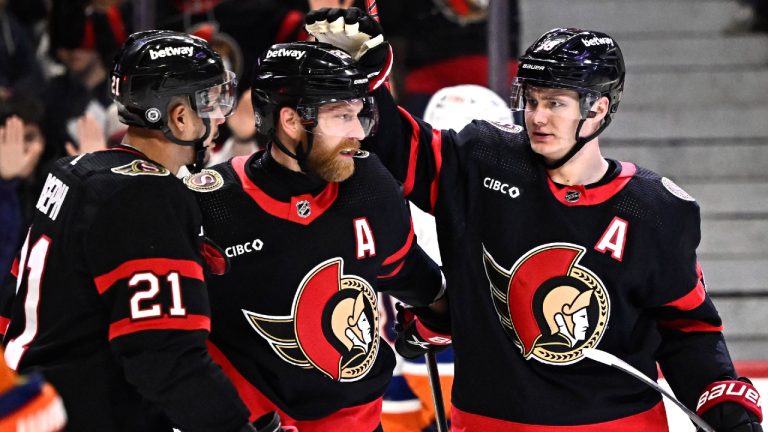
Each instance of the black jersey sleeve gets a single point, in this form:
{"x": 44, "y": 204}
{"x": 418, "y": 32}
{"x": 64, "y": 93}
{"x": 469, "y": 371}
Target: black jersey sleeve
{"x": 409, "y": 274}
{"x": 427, "y": 161}
{"x": 142, "y": 247}
{"x": 693, "y": 353}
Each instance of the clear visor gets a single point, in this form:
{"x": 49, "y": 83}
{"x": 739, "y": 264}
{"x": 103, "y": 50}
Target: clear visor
{"x": 219, "y": 101}
{"x": 352, "y": 118}
{"x": 530, "y": 97}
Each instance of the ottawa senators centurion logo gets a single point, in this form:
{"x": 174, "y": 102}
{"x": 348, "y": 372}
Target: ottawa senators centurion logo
{"x": 333, "y": 326}
{"x": 549, "y": 304}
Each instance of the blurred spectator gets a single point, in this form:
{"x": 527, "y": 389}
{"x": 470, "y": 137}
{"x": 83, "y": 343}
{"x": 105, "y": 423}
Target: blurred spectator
{"x": 21, "y": 144}
{"x": 253, "y": 25}
{"x": 19, "y": 69}
{"x": 32, "y": 14}
{"x": 83, "y": 37}
{"x": 408, "y": 405}
{"x": 441, "y": 43}
{"x": 242, "y": 125}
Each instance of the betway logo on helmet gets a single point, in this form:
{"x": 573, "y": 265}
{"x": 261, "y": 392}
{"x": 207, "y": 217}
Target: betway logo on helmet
{"x": 597, "y": 41}
{"x": 534, "y": 67}
{"x": 282, "y": 52}
{"x": 171, "y": 51}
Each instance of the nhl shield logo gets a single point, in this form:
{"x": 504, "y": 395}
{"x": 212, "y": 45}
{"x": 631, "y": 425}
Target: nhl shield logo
{"x": 303, "y": 209}
{"x": 333, "y": 327}
{"x": 206, "y": 180}
{"x": 560, "y": 306}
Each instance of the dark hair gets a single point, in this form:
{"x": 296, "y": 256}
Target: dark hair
{"x": 28, "y": 108}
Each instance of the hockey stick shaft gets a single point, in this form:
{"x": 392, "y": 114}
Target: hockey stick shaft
{"x": 608, "y": 359}
{"x": 373, "y": 9}
{"x": 437, "y": 392}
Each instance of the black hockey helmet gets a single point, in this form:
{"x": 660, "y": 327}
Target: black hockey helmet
{"x": 586, "y": 61}
{"x": 153, "y": 66}
{"x": 304, "y": 76}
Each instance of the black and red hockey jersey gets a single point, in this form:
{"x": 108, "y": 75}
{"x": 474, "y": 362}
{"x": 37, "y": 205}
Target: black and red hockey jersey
{"x": 295, "y": 320}
{"x": 536, "y": 272}
{"x": 110, "y": 301}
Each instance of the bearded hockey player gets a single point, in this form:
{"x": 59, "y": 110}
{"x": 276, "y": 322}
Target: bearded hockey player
{"x": 110, "y": 301}
{"x": 549, "y": 248}
{"x": 313, "y": 228}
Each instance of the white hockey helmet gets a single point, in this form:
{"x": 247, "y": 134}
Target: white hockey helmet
{"x": 455, "y": 107}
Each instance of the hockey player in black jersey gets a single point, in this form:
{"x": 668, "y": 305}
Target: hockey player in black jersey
{"x": 110, "y": 301}
{"x": 313, "y": 227}
{"x": 548, "y": 248}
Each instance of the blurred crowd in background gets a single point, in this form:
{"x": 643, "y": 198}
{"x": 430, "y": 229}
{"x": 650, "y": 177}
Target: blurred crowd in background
{"x": 56, "y": 55}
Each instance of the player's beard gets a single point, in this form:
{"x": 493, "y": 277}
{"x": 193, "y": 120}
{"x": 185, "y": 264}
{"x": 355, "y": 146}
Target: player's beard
{"x": 329, "y": 164}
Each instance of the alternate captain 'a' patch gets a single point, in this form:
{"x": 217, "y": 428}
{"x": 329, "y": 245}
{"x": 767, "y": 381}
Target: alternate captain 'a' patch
{"x": 205, "y": 181}
{"x": 559, "y": 307}
{"x": 676, "y": 190}
{"x": 141, "y": 167}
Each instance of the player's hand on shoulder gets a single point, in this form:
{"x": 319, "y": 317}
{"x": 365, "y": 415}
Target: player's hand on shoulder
{"x": 357, "y": 33}
{"x": 731, "y": 406}
{"x": 420, "y": 330}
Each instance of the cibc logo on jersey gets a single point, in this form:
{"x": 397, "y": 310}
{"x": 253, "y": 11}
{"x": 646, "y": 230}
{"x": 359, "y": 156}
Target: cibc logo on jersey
{"x": 559, "y": 307}
{"x": 244, "y": 248}
{"x": 333, "y": 326}
{"x": 499, "y": 186}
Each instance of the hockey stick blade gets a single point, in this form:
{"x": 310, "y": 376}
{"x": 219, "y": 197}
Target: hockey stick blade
{"x": 609, "y": 359}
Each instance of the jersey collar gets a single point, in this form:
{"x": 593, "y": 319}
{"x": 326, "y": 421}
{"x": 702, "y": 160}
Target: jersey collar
{"x": 302, "y": 209}
{"x": 580, "y": 195}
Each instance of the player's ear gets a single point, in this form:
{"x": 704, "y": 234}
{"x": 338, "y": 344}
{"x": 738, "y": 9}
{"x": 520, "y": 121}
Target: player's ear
{"x": 600, "y": 108}
{"x": 290, "y": 123}
{"x": 179, "y": 119}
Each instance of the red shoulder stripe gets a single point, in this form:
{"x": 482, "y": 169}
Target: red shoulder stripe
{"x": 410, "y": 177}
{"x": 189, "y": 322}
{"x": 15, "y": 267}
{"x": 437, "y": 144}
{"x": 403, "y": 250}
{"x": 694, "y": 298}
{"x": 690, "y": 326}
{"x": 158, "y": 266}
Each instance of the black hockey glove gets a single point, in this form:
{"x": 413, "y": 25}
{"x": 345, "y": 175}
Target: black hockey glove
{"x": 357, "y": 33}
{"x": 420, "y": 330}
{"x": 731, "y": 406}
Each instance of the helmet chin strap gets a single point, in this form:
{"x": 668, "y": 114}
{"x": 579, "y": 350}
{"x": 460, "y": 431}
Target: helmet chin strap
{"x": 300, "y": 155}
{"x": 580, "y": 143}
{"x": 198, "y": 144}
